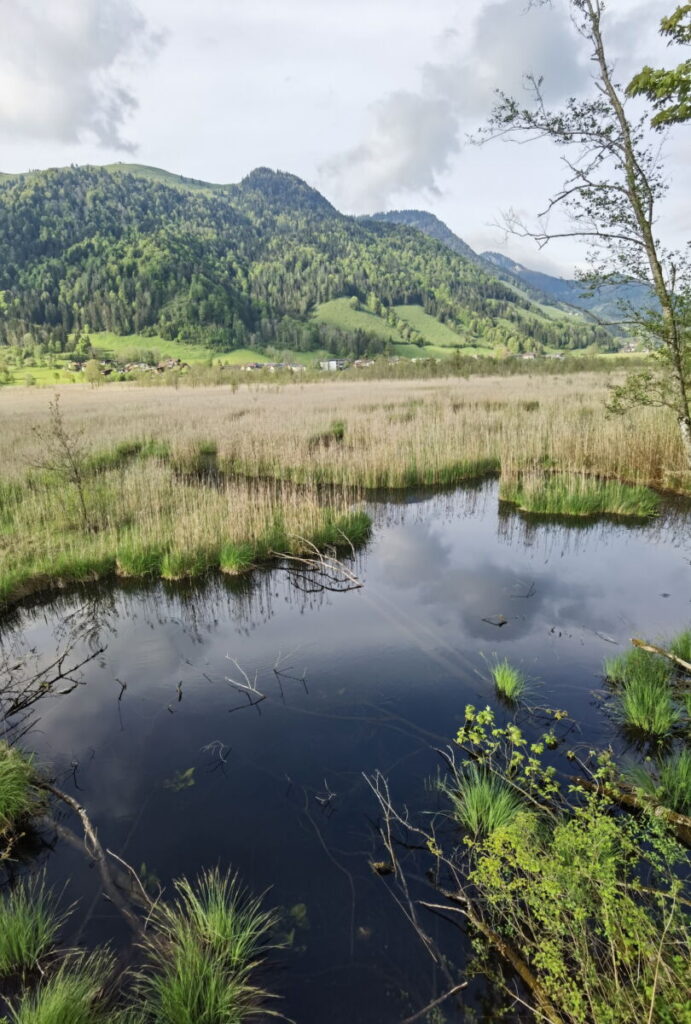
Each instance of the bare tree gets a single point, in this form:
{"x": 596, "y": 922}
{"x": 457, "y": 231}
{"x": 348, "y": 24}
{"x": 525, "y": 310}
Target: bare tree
{"x": 63, "y": 453}
{"x": 610, "y": 199}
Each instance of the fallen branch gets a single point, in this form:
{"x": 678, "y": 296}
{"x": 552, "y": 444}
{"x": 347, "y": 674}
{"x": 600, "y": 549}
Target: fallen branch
{"x": 679, "y": 822}
{"x": 546, "y": 1009}
{"x": 654, "y": 649}
{"x": 435, "y": 1002}
{"x": 92, "y": 846}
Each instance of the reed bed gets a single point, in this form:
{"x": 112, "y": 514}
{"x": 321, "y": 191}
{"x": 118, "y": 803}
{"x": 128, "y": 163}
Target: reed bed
{"x": 387, "y": 434}
{"x": 182, "y": 481}
{"x": 147, "y": 519}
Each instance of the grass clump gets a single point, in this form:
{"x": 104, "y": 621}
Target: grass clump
{"x": 236, "y": 558}
{"x": 136, "y": 560}
{"x": 681, "y": 645}
{"x": 73, "y": 995}
{"x": 638, "y": 666}
{"x": 29, "y": 924}
{"x": 202, "y": 951}
{"x": 18, "y": 799}
{"x": 182, "y": 563}
{"x": 569, "y": 495}
{"x": 670, "y": 785}
{"x": 646, "y": 706}
{"x": 483, "y": 802}
{"x": 509, "y": 681}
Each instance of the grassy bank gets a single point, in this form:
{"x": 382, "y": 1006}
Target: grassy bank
{"x": 146, "y": 518}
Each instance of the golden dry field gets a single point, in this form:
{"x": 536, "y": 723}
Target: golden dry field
{"x": 395, "y": 432}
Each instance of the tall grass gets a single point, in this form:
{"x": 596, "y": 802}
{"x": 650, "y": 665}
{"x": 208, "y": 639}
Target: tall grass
{"x": 18, "y": 800}
{"x": 29, "y": 923}
{"x": 670, "y": 785}
{"x": 202, "y": 951}
{"x": 509, "y": 681}
{"x": 483, "y": 802}
{"x": 267, "y": 429}
{"x": 151, "y": 522}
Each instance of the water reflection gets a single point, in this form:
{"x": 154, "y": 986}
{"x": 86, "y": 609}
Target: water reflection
{"x": 179, "y": 769}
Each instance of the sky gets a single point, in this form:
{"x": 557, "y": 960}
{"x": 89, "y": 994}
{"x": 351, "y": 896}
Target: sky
{"x": 373, "y": 102}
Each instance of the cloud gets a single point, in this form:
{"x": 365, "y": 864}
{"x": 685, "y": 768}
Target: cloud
{"x": 61, "y": 65}
{"x": 414, "y": 135}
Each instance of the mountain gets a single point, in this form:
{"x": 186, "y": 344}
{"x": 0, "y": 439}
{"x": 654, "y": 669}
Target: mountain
{"x": 137, "y": 250}
{"x": 432, "y": 227}
{"x": 604, "y": 303}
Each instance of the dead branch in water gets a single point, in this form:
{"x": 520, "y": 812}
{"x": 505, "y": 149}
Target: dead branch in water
{"x": 628, "y": 798}
{"x": 319, "y": 571}
{"x": 92, "y": 847}
{"x": 654, "y": 649}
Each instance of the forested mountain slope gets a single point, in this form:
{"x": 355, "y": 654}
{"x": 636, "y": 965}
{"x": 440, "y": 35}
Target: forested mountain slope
{"x": 605, "y": 303}
{"x": 131, "y": 249}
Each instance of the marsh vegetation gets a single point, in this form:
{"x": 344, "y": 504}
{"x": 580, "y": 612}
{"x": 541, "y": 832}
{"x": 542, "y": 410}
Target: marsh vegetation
{"x": 221, "y": 478}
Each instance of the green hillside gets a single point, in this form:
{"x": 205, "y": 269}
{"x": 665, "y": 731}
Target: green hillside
{"x": 431, "y": 331}
{"x": 135, "y": 251}
{"x": 339, "y": 313}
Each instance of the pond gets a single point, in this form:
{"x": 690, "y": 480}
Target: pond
{"x": 181, "y": 768}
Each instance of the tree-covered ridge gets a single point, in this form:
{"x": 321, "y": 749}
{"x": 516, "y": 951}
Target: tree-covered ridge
{"x": 122, "y": 250}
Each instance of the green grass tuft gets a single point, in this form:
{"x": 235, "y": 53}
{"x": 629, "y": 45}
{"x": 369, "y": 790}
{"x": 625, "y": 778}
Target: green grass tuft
{"x": 29, "y": 924}
{"x": 509, "y": 681}
{"x": 236, "y": 558}
{"x": 670, "y": 786}
{"x": 202, "y": 951}
{"x": 565, "y": 495}
{"x": 638, "y": 666}
{"x": 484, "y": 802}
{"x": 73, "y": 995}
{"x": 18, "y": 799}
{"x": 133, "y": 560}
{"x": 646, "y": 706}
{"x": 681, "y": 645}
{"x": 180, "y": 564}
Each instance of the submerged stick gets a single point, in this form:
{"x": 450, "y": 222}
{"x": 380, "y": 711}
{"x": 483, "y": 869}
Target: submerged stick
{"x": 435, "y": 1002}
{"x": 95, "y": 851}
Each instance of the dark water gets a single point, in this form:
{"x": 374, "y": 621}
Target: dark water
{"x": 181, "y": 773}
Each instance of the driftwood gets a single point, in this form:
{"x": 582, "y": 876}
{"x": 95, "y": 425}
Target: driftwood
{"x": 654, "y": 649}
{"x": 628, "y": 798}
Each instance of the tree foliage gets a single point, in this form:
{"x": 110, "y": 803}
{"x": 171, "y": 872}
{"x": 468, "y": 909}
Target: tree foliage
{"x": 668, "y": 89}
{"x": 610, "y": 200}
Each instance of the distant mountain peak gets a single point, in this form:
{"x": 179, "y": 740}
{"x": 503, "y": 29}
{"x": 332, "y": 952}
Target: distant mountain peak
{"x": 287, "y": 189}
{"x": 431, "y": 226}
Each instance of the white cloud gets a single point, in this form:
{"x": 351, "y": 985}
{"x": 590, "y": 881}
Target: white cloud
{"x": 414, "y": 136}
{"x": 61, "y": 67}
